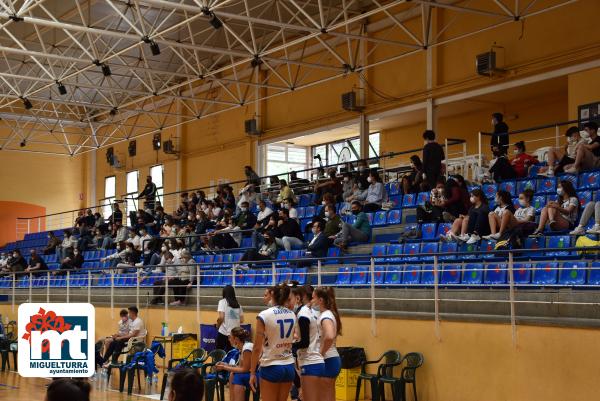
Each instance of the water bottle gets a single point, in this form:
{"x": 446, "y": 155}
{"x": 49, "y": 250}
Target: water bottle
{"x": 164, "y": 330}
{"x": 154, "y": 379}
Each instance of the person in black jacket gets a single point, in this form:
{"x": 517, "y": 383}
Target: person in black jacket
{"x": 16, "y": 263}
{"x": 72, "y": 261}
{"x": 499, "y": 141}
{"x": 117, "y": 215}
{"x": 433, "y": 154}
{"x": 36, "y": 263}
{"x": 288, "y": 234}
{"x": 319, "y": 245}
{"x": 149, "y": 194}
{"x": 500, "y": 168}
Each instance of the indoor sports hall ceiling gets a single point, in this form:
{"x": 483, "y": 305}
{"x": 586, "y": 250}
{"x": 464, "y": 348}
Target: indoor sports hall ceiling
{"x": 77, "y": 75}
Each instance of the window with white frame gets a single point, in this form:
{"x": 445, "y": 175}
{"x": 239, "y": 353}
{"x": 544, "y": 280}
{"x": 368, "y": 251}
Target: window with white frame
{"x": 284, "y": 158}
{"x": 157, "y": 174}
{"x": 132, "y": 191}
{"x": 110, "y": 189}
{"x": 344, "y": 150}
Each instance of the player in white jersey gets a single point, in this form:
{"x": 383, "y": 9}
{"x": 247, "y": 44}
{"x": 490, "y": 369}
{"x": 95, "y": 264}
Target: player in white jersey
{"x": 275, "y": 332}
{"x": 240, "y": 372}
{"x": 309, "y": 358}
{"x": 330, "y": 327}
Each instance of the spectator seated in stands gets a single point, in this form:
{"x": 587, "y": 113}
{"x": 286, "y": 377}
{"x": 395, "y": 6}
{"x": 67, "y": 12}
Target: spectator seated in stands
{"x": 290, "y": 205}
{"x": 181, "y": 277}
{"x": 72, "y": 261}
{"x": 330, "y": 185}
{"x": 158, "y": 220}
{"x": 471, "y": 227}
{"x": 137, "y": 330}
{"x": 433, "y": 155}
{"x": 523, "y": 217}
{"x": 228, "y": 198}
{"x": 118, "y": 256}
{"x": 53, "y": 242}
{"x": 15, "y": 263}
{"x": 134, "y": 238}
{"x": 499, "y": 139}
{"x": 591, "y": 209}
{"x": 318, "y": 246}
{"x": 287, "y": 233}
{"x": 375, "y": 194}
{"x": 225, "y": 236}
{"x": 264, "y": 212}
{"x": 267, "y": 251}
{"x": 3, "y": 260}
{"x": 86, "y": 235}
{"x": 588, "y": 155}
{"x": 500, "y": 167}
{"x": 333, "y": 223}
{"x": 574, "y": 140}
{"x": 522, "y": 161}
{"x": 118, "y": 234}
{"x": 348, "y": 183}
{"x": 127, "y": 261}
{"x": 36, "y": 263}
{"x": 412, "y": 182}
{"x": 503, "y": 217}
{"x": 561, "y": 214}
{"x": 245, "y": 219}
{"x": 360, "y": 231}
{"x": 247, "y": 195}
{"x": 69, "y": 241}
{"x": 203, "y": 223}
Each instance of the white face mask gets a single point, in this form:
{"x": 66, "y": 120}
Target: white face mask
{"x": 559, "y": 191}
{"x": 516, "y": 151}
{"x": 346, "y": 179}
{"x": 244, "y": 209}
{"x": 473, "y": 199}
{"x": 326, "y": 214}
{"x": 584, "y": 134}
{"x": 369, "y": 179}
{"x": 522, "y": 202}
{"x": 164, "y": 249}
{"x": 571, "y": 141}
{"x": 323, "y": 203}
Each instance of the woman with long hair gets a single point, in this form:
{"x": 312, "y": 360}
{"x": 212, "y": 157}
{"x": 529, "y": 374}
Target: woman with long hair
{"x": 562, "y": 213}
{"x": 240, "y": 373}
{"x": 275, "y": 331}
{"x": 330, "y": 326}
{"x": 230, "y": 315}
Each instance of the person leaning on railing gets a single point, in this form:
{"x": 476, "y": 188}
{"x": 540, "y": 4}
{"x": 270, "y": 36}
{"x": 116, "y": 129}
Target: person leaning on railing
{"x": 149, "y": 194}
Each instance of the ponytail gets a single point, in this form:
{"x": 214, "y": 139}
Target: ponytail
{"x": 281, "y": 294}
{"x": 241, "y": 334}
{"x": 327, "y": 294}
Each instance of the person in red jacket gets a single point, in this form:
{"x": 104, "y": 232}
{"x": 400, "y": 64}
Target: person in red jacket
{"x": 522, "y": 160}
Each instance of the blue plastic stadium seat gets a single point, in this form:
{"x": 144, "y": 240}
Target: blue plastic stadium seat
{"x": 539, "y": 201}
{"x": 303, "y": 200}
{"x": 448, "y": 247}
{"x": 487, "y": 246}
{"x": 428, "y": 248}
{"x": 509, "y": 186}
{"x": 394, "y": 216}
{"x": 344, "y": 276}
{"x": 370, "y": 216}
{"x": 411, "y": 275}
{"x": 411, "y": 251}
{"x": 427, "y": 276}
{"x": 332, "y": 253}
{"x": 522, "y": 273}
{"x": 423, "y": 197}
{"x": 594, "y": 274}
{"x": 246, "y": 242}
{"x": 409, "y": 200}
{"x": 545, "y": 273}
{"x": 559, "y": 241}
{"x": 301, "y": 211}
{"x": 393, "y": 188}
{"x": 450, "y": 274}
{"x": 393, "y": 275}
{"x": 380, "y": 218}
{"x": 589, "y": 180}
{"x": 489, "y": 190}
{"x": 472, "y": 274}
{"x": 496, "y": 274}
{"x": 300, "y": 275}
{"x": 359, "y": 276}
{"x": 379, "y": 273}
{"x": 529, "y": 183}
{"x": 442, "y": 229}
{"x": 585, "y": 197}
{"x": 396, "y": 201}
{"x": 428, "y": 231}
{"x": 380, "y": 250}
{"x": 467, "y": 249}
{"x": 546, "y": 185}
{"x": 534, "y": 243}
{"x": 573, "y": 273}
{"x": 283, "y": 274}
{"x": 393, "y": 252}
{"x": 263, "y": 277}
{"x": 309, "y": 212}
{"x": 569, "y": 177}
{"x": 226, "y": 277}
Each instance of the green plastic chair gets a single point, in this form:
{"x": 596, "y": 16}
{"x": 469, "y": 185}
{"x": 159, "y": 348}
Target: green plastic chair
{"x": 408, "y": 375}
{"x": 197, "y": 356}
{"x": 212, "y": 380}
{"x": 392, "y": 358}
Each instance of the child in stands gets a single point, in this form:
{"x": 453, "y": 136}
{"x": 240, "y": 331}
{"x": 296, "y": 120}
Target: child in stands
{"x": 560, "y": 214}
{"x": 556, "y": 161}
{"x": 504, "y": 217}
{"x": 471, "y": 227}
{"x": 522, "y": 160}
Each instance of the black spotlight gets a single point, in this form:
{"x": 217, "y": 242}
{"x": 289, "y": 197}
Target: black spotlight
{"x": 154, "y": 48}
{"x": 27, "y": 103}
{"x": 113, "y": 111}
{"x": 61, "y": 88}
{"x": 106, "y": 70}
{"x": 215, "y": 21}
{"x": 23, "y": 143}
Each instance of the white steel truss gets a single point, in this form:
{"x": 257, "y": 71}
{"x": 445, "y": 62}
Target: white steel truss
{"x": 77, "y": 75}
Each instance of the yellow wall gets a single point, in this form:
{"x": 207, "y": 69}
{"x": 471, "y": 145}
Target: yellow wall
{"x": 584, "y": 87}
{"x": 471, "y": 361}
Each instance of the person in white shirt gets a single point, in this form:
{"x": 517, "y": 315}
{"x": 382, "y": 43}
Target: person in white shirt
{"x": 123, "y": 328}
{"x": 275, "y": 332}
{"x": 330, "y": 327}
{"x": 263, "y": 213}
{"x": 231, "y": 315}
{"x": 135, "y": 239}
{"x": 137, "y": 331}
{"x": 310, "y": 360}
{"x": 562, "y": 213}
{"x": 502, "y": 218}
{"x": 240, "y": 372}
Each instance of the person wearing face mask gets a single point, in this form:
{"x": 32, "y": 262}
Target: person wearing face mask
{"x": 433, "y": 155}
{"x": 158, "y": 289}
{"x": 499, "y": 139}
{"x": 348, "y": 185}
{"x": 330, "y": 185}
{"x": 574, "y": 139}
{"x": 588, "y": 155}
{"x": 16, "y": 263}
{"x": 288, "y": 234}
{"x": 502, "y": 218}
{"x": 53, "y": 242}
{"x": 245, "y": 219}
{"x": 267, "y": 251}
{"x": 134, "y": 239}
{"x": 285, "y": 192}
{"x": 360, "y": 231}
{"x": 73, "y": 261}
{"x": 412, "y": 181}
{"x": 247, "y": 195}
{"x": 130, "y": 259}
{"x": 500, "y": 168}
{"x": 374, "y": 195}
{"x": 333, "y": 224}
{"x": 522, "y": 160}
{"x": 149, "y": 194}
{"x": 318, "y": 246}
{"x": 560, "y": 214}
{"x": 36, "y": 263}
{"x": 290, "y": 205}
{"x": 470, "y": 228}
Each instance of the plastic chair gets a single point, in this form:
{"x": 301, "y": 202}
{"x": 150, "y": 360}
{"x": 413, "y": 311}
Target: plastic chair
{"x": 212, "y": 380}
{"x": 384, "y": 370}
{"x": 414, "y": 360}
{"x": 133, "y": 346}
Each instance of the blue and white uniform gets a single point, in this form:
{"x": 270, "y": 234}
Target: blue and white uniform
{"x": 243, "y": 379}
{"x": 277, "y": 360}
{"x": 333, "y": 363}
{"x": 310, "y": 359}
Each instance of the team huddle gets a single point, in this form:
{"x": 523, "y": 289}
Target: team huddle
{"x": 295, "y": 344}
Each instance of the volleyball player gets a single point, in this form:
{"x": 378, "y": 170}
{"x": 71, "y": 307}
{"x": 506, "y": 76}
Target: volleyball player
{"x": 330, "y": 327}
{"x": 275, "y": 328}
{"x": 240, "y": 373}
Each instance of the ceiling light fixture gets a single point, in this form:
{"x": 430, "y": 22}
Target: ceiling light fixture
{"x": 26, "y": 103}
{"x": 106, "y": 70}
{"x": 153, "y": 45}
{"x": 61, "y": 88}
{"x": 212, "y": 18}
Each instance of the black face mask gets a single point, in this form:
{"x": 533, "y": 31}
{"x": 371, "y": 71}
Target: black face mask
{"x": 355, "y": 212}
